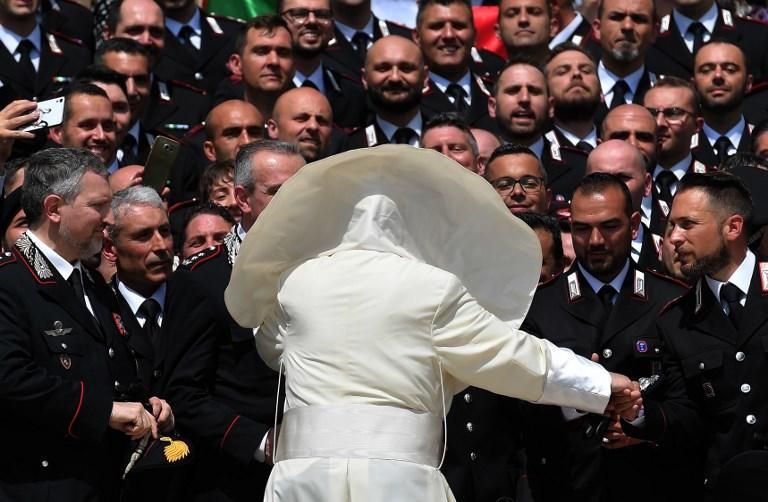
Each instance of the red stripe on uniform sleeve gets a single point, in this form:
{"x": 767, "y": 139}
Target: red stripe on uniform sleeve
{"x": 224, "y": 439}
{"x": 77, "y": 411}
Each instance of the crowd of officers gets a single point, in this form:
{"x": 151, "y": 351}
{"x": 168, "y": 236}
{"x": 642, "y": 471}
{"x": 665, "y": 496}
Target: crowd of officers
{"x": 634, "y": 144}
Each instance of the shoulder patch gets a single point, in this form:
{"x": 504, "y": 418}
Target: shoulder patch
{"x": 54, "y": 36}
{"x": 667, "y": 278}
{"x": 6, "y": 258}
{"x": 188, "y": 86}
{"x": 198, "y": 259}
{"x": 549, "y": 281}
{"x": 670, "y": 304}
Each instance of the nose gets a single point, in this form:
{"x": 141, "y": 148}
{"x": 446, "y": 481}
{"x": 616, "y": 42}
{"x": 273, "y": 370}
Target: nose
{"x": 675, "y": 235}
{"x": 130, "y": 86}
{"x": 272, "y": 58}
{"x": 312, "y": 124}
{"x": 145, "y": 38}
{"x": 523, "y": 17}
{"x": 523, "y": 95}
{"x": 98, "y": 132}
{"x": 596, "y": 238}
{"x": 661, "y": 121}
{"x": 627, "y": 24}
{"x": 448, "y": 31}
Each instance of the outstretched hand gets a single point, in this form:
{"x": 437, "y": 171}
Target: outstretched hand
{"x": 626, "y": 398}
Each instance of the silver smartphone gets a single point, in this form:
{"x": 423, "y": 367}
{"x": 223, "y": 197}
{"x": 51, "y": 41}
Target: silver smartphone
{"x": 51, "y": 114}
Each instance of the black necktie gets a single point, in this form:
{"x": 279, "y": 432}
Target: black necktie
{"x": 456, "y": 93}
{"x": 697, "y": 30}
{"x": 25, "y": 49}
{"x": 584, "y": 146}
{"x": 185, "y": 37}
{"x": 150, "y": 309}
{"x": 76, "y": 281}
{"x": 620, "y": 89}
{"x": 403, "y": 136}
{"x": 309, "y": 83}
{"x": 606, "y": 295}
{"x": 664, "y": 181}
{"x": 731, "y": 294}
{"x": 722, "y": 145}
{"x": 360, "y": 40}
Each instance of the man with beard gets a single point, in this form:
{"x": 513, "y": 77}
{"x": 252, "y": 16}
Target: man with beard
{"x": 355, "y": 30}
{"x": 520, "y": 105}
{"x": 525, "y": 28}
{"x": 303, "y": 117}
{"x": 393, "y": 77}
{"x": 604, "y": 307}
{"x": 675, "y": 105}
{"x": 693, "y": 22}
{"x": 460, "y": 75}
{"x": 625, "y": 30}
{"x": 197, "y": 45}
{"x": 574, "y": 91}
{"x": 311, "y": 25}
{"x": 714, "y": 340}
{"x": 721, "y": 79}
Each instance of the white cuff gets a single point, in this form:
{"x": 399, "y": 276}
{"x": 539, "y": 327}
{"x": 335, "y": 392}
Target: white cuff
{"x": 260, "y": 455}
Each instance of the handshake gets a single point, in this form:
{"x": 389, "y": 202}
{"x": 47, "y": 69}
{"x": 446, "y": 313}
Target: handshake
{"x": 626, "y": 399}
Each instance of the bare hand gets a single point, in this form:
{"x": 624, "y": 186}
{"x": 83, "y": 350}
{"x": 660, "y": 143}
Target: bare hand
{"x": 626, "y": 398}
{"x": 615, "y": 438}
{"x": 133, "y": 420}
{"x": 163, "y": 414}
{"x": 17, "y": 114}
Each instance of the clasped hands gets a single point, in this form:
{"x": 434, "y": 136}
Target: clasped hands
{"x": 135, "y": 420}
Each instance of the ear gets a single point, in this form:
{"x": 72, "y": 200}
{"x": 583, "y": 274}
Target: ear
{"x": 699, "y": 124}
{"x": 241, "y": 199}
{"x": 272, "y": 130}
{"x": 492, "y": 106}
{"x": 108, "y": 250}
{"x": 634, "y": 223}
{"x": 596, "y": 29}
{"x": 236, "y": 64}
{"x": 554, "y": 25}
{"x": 551, "y": 103}
{"x": 748, "y": 85}
{"x": 734, "y": 228}
{"x": 55, "y": 134}
{"x": 647, "y": 184}
{"x": 52, "y": 207}
{"x": 497, "y": 30}
{"x": 425, "y": 84}
{"x": 548, "y": 198}
{"x": 209, "y": 150}
{"x": 363, "y": 78}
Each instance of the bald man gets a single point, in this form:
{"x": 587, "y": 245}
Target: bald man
{"x": 621, "y": 159}
{"x": 230, "y": 125}
{"x": 487, "y": 142}
{"x": 125, "y": 177}
{"x": 394, "y": 76}
{"x": 635, "y": 125}
{"x": 303, "y": 116}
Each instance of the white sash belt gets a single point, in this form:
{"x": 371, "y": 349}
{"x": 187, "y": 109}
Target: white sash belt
{"x": 361, "y": 431}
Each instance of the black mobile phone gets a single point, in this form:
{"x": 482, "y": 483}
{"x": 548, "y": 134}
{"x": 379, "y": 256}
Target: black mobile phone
{"x": 159, "y": 162}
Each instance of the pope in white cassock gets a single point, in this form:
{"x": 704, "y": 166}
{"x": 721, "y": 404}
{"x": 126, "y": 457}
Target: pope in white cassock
{"x": 383, "y": 281}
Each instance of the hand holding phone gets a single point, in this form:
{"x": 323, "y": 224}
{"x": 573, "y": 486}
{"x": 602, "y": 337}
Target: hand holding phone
{"x": 51, "y": 113}
{"x": 159, "y": 163}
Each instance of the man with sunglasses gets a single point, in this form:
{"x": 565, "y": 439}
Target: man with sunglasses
{"x": 518, "y": 177}
{"x": 311, "y": 25}
{"x": 674, "y": 104}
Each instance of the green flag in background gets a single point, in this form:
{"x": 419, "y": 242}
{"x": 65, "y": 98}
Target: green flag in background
{"x": 243, "y": 9}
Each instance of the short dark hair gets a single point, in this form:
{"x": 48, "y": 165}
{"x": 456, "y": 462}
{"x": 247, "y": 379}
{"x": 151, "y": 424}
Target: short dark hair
{"x": 268, "y": 22}
{"x": 213, "y": 172}
{"x": 671, "y": 82}
{"x": 206, "y": 207}
{"x": 549, "y": 224}
{"x": 451, "y": 119}
{"x": 120, "y": 44}
{"x": 515, "y": 60}
{"x": 513, "y": 149}
{"x": 725, "y": 192}
{"x": 78, "y": 89}
{"x": 99, "y": 72}
{"x": 114, "y": 16}
{"x": 56, "y": 171}
{"x": 547, "y": 7}
{"x": 423, "y": 4}
{"x": 12, "y": 168}
{"x": 597, "y": 183}
{"x": 566, "y": 47}
{"x": 724, "y": 41}
{"x": 600, "y": 10}
{"x": 760, "y": 129}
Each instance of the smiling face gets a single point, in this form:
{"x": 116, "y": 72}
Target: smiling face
{"x": 504, "y": 169}
{"x": 394, "y": 74}
{"x": 90, "y": 125}
{"x": 311, "y": 34}
{"x": 520, "y": 104}
{"x": 446, "y": 35}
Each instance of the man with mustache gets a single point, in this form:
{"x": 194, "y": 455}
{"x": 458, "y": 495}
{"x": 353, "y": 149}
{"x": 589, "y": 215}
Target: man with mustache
{"x": 520, "y": 105}
{"x": 311, "y": 26}
{"x": 574, "y": 95}
{"x": 624, "y": 30}
{"x": 605, "y": 307}
{"x": 393, "y": 77}
{"x": 721, "y": 79}
{"x": 461, "y": 76}
{"x": 303, "y": 117}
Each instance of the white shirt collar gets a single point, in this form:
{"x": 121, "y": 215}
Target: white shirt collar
{"x": 465, "y": 82}
{"x": 134, "y": 301}
{"x": 680, "y": 169}
{"x": 590, "y": 138}
{"x": 11, "y": 40}
{"x": 565, "y": 34}
{"x": 596, "y": 283}
{"x": 740, "y": 278}
{"x": 349, "y": 32}
{"x": 316, "y": 77}
{"x": 733, "y": 134}
{"x": 637, "y": 244}
{"x": 241, "y": 232}
{"x": 62, "y": 266}
{"x": 709, "y": 19}
{"x": 389, "y": 128}
{"x": 175, "y": 26}
{"x": 608, "y": 79}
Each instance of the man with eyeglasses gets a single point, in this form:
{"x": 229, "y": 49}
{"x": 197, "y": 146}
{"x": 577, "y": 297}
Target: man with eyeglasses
{"x": 311, "y": 25}
{"x": 518, "y": 177}
{"x": 675, "y": 105}
{"x": 197, "y": 45}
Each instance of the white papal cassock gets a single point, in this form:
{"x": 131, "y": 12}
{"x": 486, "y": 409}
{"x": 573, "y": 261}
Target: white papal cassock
{"x": 376, "y": 327}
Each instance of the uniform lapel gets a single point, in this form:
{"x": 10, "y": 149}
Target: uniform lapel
{"x": 631, "y": 304}
{"x": 211, "y": 41}
{"x": 50, "y": 63}
{"x": 8, "y": 65}
{"x": 183, "y": 56}
{"x": 671, "y": 43}
{"x": 708, "y": 316}
{"x": 581, "y": 300}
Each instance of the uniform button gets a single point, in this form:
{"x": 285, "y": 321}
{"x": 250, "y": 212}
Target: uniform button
{"x": 157, "y": 373}
{"x": 44, "y": 463}
{"x": 751, "y": 419}
{"x": 64, "y": 346}
{"x": 701, "y": 366}
{"x": 111, "y": 353}
{"x": 470, "y": 427}
{"x": 467, "y": 397}
{"x": 745, "y": 388}
{"x": 543, "y": 461}
{"x": 607, "y": 353}
{"x": 473, "y": 456}
{"x": 740, "y": 356}
{"x": 657, "y": 350}
{"x": 198, "y": 76}
{"x": 117, "y": 385}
